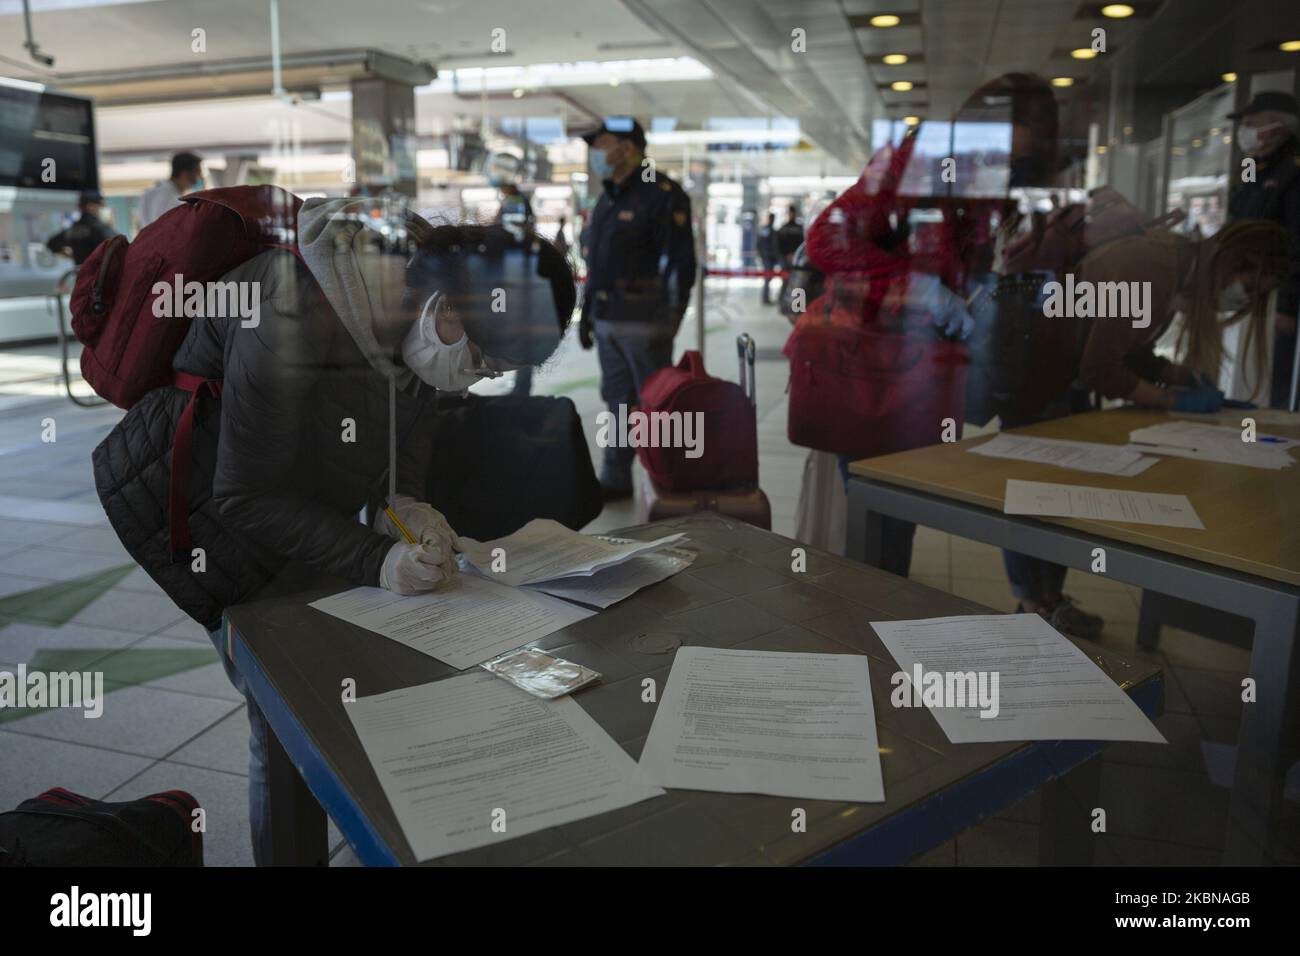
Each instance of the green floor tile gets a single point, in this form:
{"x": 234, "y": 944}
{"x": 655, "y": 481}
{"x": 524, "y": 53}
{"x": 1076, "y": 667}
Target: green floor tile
{"x": 56, "y": 604}
{"x": 121, "y": 668}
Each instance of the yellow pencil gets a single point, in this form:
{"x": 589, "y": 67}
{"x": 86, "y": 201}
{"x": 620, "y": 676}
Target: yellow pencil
{"x": 397, "y": 522}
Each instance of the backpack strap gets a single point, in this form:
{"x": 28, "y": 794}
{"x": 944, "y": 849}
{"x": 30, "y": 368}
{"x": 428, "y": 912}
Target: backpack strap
{"x": 178, "y": 485}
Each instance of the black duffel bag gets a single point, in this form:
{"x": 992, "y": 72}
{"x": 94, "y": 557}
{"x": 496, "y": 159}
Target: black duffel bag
{"x": 62, "y": 828}
{"x": 500, "y": 461}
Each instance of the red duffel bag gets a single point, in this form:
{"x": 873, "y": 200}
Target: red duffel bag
{"x": 728, "y": 452}
{"x": 862, "y": 391}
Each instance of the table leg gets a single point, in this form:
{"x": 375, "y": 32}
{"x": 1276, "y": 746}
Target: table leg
{"x": 1065, "y": 835}
{"x": 1268, "y": 743}
{"x": 864, "y": 529}
{"x": 1150, "y": 620}
{"x": 298, "y": 830}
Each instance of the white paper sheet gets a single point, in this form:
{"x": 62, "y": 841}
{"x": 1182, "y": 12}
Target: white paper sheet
{"x": 1101, "y": 504}
{"x": 1077, "y": 455}
{"x": 543, "y": 550}
{"x": 1048, "y": 689}
{"x": 790, "y": 725}
{"x": 1207, "y": 442}
{"x": 451, "y": 753}
{"x": 612, "y": 585}
{"x": 472, "y": 623}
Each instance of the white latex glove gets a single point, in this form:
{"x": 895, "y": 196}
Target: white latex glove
{"x": 410, "y": 569}
{"x": 427, "y": 526}
{"x": 424, "y": 521}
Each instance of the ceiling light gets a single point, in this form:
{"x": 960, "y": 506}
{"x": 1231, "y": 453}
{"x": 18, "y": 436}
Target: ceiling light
{"x": 911, "y": 120}
{"x": 1290, "y": 46}
{"x": 1063, "y": 81}
{"x": 517, "y": 93}
{"x": 900, "y": 86}
{"x": 885, "y": 20}
{"x": 1117, "y": 11}
{"x": 1083, "y": 53}
{"x": 894, "y": 59}
{"x": 1229, "y": 78}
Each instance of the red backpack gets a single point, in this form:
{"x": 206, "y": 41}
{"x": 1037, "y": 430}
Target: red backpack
{"x": 729, "y": 437}
{"x": 128, "y": 350}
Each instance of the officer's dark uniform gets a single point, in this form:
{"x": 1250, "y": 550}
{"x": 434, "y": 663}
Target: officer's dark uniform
{"x": 81, "y": 237}
{"x": 640, "y": 254}
{"x": 1275, "y": 196}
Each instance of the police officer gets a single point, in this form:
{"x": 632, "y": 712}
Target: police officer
{"x": 640, "y": 254}
{"x": 1267, "y": 134}
{"x": 80, "y": 239}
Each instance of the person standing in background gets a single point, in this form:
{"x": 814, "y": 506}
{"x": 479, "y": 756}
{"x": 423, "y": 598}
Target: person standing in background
{"x": 640, "y": 254}
{"x": 1267, "y": 134}
{"x": 767, "y": 253}
{"x": 516, "y": 217}
{"x": 788, "y": 240}
{"x": 560, "y": 241}
{"x": 80, "y": 239}
{"x": 187, "y": 176}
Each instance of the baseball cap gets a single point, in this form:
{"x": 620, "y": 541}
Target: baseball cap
{"x": 624, "y": 127}
{"x": 1271, "y": 101}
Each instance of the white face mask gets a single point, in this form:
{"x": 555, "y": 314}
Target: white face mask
{"x": 1248, "y": 139}
{"x": 436, "y": 363}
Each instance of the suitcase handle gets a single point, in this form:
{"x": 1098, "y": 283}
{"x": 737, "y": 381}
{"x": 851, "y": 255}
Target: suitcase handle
{"x": 745, "y": 351}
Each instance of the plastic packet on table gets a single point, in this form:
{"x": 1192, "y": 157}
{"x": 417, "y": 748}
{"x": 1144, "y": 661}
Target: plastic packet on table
{"x": 541, "y": 674}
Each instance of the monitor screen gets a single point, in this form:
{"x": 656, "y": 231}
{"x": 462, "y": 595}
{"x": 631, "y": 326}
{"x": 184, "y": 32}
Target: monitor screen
{"x": 47, "y": 140}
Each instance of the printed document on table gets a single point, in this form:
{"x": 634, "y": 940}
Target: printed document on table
{"x": 1077, "y": 455}
{"x": 466, "y": 625}
{"x": 790, "y": 725}
{"x": 455, "y": 755}
{"x": 1048, "y": 689}
{"x": 543, "y": 550}
{"x": 612, "y": 585}
{"x": 1102, "y": 504}
{"x": 1205, "y": 442}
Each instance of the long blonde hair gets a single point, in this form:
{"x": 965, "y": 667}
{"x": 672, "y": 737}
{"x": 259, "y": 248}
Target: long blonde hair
{"x": 1255, "y": 249}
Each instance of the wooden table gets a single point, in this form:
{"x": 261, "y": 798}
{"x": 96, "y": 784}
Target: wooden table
{"x": 742, "y": 592}
{"x": 1246, "y": 562}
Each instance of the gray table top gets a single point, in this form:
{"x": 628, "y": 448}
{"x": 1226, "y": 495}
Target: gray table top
{"x": 739, "y": 592}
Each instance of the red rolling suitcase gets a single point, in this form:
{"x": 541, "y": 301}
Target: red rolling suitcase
{"x": 744, "y": 502}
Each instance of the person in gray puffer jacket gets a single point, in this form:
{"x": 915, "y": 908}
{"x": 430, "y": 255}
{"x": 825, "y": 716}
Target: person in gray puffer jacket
{"x": 298, "y": 441}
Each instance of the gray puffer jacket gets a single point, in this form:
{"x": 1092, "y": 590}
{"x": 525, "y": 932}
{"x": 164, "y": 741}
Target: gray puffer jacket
{"x": 278, "y": 476}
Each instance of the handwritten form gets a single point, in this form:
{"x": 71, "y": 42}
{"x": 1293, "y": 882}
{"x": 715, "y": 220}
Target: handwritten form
{"x": 459, "y": 756}
{"x": 790, "y": 725}
{"x": 1115, "y": 460}
{"x": 1048, "y": 689}
{"x": 466, "y": 625}
{"x": 543, "y": 550}
{"x": 1101, "y": 504}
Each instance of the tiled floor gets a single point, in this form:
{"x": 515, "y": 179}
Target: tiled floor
{"x": 175, "y": 722}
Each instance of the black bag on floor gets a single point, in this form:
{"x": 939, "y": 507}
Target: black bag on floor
{"x": 498, "y": 462}
{"x": 62, "y": 828}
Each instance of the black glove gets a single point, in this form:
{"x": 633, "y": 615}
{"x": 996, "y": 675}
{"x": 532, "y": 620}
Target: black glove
{"x": 585, "y": 332}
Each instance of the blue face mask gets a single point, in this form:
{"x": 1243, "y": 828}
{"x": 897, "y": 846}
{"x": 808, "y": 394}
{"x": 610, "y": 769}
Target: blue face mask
{"x": 600, "y": 164}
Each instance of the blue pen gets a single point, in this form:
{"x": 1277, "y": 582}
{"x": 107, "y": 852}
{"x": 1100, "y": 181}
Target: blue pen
{"x": 1271, "y": 440}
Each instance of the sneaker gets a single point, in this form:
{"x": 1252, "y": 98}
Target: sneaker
{"x": 1069, "y": 618}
